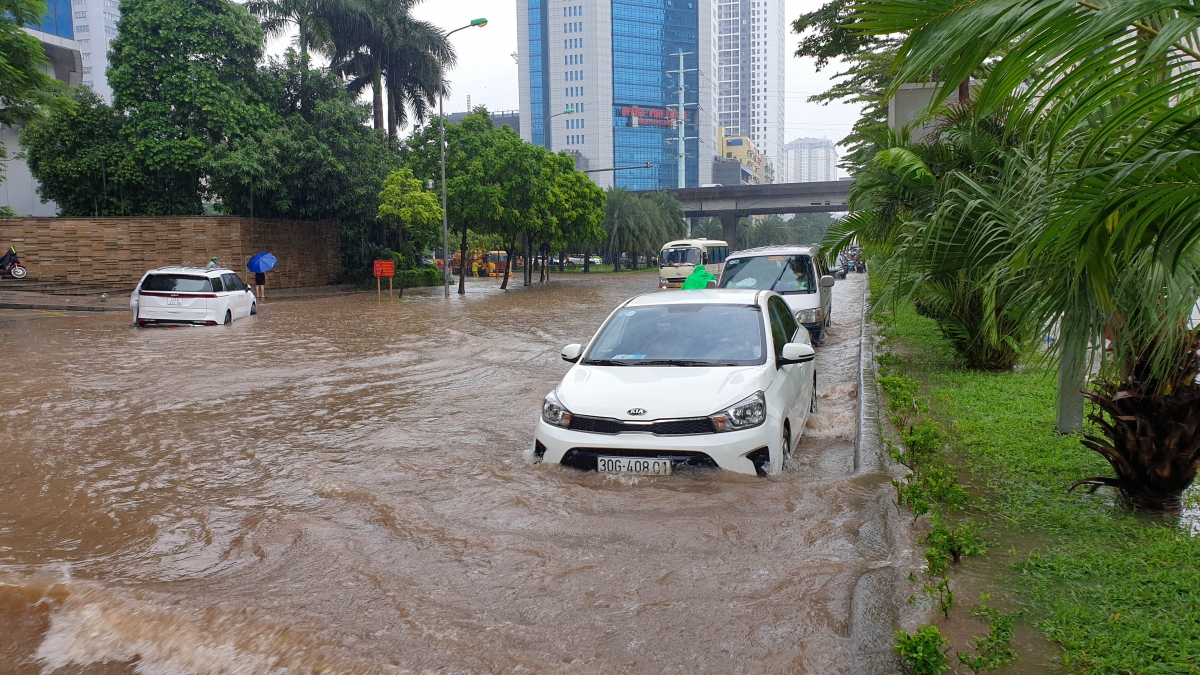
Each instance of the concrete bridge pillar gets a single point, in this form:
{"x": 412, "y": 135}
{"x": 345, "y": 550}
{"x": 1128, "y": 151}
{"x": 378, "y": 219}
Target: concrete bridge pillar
{"x": 729, "y": 223}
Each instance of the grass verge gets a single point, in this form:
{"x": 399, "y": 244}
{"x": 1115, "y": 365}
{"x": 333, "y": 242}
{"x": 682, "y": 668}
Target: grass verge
{"x": 1118, "y": 592}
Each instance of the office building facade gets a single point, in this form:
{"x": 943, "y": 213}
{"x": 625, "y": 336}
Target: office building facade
{"x": 810, "y": 159}
{"x": 64, "y": 62}
{"x": 750, "y": 58}
{"x": 95, "y": 23}
{"x": 608, "y": 62}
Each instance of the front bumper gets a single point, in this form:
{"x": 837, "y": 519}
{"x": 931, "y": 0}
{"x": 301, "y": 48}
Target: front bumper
{"x": 665, "y": 283}
{"x": 727, "y": 451}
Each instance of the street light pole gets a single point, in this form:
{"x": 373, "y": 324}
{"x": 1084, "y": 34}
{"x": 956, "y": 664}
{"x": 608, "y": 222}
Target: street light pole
{"x": 550, "y": 129}
{"x": 442, "y": 141}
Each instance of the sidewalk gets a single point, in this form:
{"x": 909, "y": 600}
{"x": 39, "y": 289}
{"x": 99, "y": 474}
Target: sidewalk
{"x": 58, "y": 296}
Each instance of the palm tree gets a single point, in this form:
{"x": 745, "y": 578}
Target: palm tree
{"x": 1103, "y": 98}
{"x": 310, "y": 19}
{"x": 378, "y": 43}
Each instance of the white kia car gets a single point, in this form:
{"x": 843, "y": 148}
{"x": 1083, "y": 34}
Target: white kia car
{"x": 796, "y": 272}
{"x": 191, "y": 295}
{"x": 706, "y": 378}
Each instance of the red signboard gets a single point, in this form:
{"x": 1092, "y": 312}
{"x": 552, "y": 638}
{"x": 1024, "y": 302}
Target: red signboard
{"x": 385, "y": 268}
{"x": 655, "y": 117}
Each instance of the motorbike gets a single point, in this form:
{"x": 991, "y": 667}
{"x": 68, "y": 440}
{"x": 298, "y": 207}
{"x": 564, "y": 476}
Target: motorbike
{"x": 11, "y": 266}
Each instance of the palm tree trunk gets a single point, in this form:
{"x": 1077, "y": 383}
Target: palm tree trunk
{"x": 392, "y": 119}
{"x": 465, "y": 263}
{"x": 304, "y": 71}
{"x": 378, "y": 95}
{"x": 587, "y": 261}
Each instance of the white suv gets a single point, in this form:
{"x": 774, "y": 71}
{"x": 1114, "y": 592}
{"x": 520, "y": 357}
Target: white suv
{"x": 796, "y": 272}
{"x": 191, "y": 295}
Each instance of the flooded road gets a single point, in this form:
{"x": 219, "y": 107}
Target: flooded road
{"x": 339, "y": 486}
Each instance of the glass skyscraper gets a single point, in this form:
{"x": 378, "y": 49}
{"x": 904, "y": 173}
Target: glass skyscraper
{"x": 609, "y": 63}
{"x": 57, "y": 20}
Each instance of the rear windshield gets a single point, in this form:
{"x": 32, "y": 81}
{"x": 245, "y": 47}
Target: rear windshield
{"x": 681, "y": 335}
{"x": 780, "y": 273}
{"x": 179, "y": 283}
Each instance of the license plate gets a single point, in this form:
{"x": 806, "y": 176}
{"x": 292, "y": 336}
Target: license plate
{"x": 642, "y": 467}
{"x": 175, "y": 301}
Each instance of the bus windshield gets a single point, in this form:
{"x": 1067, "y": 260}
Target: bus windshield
{"x": 674, "y": 257}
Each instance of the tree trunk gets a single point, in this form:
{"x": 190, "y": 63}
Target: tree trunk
{"x": 507, "y": 268}
{"x": 562, "y": 261}
{"x": 528, "y": 266}
{"x": 392, "y": 119}
{"x": 303, "y": 72}
{"x": 465, "y": 264}
{"x": 587, "y": 261}
{"x": 616, "y": 258}
{"x": 402, "y": 243}
{"x": 377, "y": 86}
{"x": 1072, "y": 373}
{"x": 633, "y": 261}
{"x": 542, "y": 258}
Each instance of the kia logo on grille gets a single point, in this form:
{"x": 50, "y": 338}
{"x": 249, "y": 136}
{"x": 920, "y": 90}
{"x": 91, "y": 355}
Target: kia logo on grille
{"x": 637, "y": 411}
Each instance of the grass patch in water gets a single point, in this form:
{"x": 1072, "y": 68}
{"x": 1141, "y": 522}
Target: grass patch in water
{"x": 1118, "y": 591}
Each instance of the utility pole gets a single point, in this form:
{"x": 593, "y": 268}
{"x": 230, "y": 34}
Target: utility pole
{"x": 681, "y": 122}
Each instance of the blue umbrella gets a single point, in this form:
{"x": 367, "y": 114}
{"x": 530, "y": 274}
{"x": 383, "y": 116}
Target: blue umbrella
{"x": 261, "y": 262}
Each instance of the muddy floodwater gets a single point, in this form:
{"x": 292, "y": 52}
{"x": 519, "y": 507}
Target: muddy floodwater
{"x": 342, "y": 486}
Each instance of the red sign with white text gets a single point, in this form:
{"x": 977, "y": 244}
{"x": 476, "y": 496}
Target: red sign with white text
{"x": 385, "y": 268}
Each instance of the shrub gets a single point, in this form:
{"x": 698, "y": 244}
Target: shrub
{"x": 923, "y": 653}
{"x": 995, "y": 648}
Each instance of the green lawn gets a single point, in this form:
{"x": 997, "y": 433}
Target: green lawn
{"x": 1119, "y": 592}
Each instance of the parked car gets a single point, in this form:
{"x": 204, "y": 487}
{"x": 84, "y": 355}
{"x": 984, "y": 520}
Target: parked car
{"x": 191, "y": 295}
{"x": 710, "y": 378}
{"x": 795, "y": 272}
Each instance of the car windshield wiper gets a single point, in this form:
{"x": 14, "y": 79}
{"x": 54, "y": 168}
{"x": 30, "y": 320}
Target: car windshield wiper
{"x": 604, "y": 362}
{"x": 682, "y": 362}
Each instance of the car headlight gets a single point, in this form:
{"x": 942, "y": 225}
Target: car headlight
{"x": 810, "y": 315}
{"x": 554, "y": 413}
{"x": 745, "y": 414}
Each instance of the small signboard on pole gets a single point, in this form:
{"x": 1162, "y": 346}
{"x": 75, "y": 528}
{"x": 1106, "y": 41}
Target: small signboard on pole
{"x": 384, "y": 268}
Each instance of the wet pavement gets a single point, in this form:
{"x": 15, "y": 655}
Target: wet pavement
{"x": 343, "y": 486}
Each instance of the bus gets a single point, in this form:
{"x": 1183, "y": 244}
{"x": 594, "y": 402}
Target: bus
{"x": 679, "y": 258}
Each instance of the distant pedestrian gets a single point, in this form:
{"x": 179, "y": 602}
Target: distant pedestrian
{"x": 260, "y": 284}
{"x": 212, "y": 263}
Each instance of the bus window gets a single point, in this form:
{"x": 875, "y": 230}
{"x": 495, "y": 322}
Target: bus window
{"x": 717, "y": 254}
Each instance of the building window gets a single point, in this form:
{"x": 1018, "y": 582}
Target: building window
{"x": 109, "y": 30}
{"x": 109, "y": 16}
{"x": 81, "y": 29}
{"x": 80, "y": 15}
{"x": 87, "y": 70}
{"x": 87, "y": 56}
{"x": 84, "y": 43}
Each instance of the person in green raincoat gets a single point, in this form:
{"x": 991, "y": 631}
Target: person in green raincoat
{"x": 697, "y": 280}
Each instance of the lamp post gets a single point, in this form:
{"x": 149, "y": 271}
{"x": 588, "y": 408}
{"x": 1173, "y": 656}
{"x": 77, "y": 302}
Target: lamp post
{"x": 549, "y": 130}
{"x": 442, "y": 134}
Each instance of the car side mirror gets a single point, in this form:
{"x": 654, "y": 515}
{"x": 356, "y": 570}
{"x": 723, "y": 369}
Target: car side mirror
{"x": 796, "y": 352}
{"x": 827, "y": 281}
{"x": 571, "y": 353}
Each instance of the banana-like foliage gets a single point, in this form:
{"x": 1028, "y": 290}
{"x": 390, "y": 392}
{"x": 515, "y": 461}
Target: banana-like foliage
{"x": 1101, "y": 97}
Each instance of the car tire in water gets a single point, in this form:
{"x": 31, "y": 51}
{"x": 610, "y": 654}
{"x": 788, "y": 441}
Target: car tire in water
{"x": 228, "y": 317}
{"x": 253, "y": 308}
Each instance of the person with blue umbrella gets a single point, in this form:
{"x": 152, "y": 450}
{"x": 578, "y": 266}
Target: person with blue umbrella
{"x": 260, "y": 264}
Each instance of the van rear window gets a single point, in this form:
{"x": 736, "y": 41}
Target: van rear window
{"x": 178, "y": 283}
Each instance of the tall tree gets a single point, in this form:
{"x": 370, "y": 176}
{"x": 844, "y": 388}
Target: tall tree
{"x": 182, "y": 74}
{"x": 310, "y": 17}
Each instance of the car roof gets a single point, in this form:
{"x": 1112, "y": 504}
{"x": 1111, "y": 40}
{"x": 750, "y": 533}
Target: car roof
{"x": 180, "y": 269}
{"x": 707, "y": 296}
{"x": 802, "y": 249}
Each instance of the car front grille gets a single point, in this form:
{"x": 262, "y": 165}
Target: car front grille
{"x": 585, "y": 458}
{"x": 682, "y": 427}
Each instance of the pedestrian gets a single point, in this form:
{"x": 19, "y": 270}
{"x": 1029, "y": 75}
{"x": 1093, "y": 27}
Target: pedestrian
{"x": 260, "y": 285}
{"x": 212, "y": 263}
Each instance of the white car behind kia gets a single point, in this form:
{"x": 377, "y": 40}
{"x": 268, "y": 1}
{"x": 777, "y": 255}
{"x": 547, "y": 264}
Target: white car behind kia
{"x": 708, "y": 378}
{"x": 191, "y": 295}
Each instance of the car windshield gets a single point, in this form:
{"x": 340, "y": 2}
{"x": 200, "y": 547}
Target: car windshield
{"x": 780, "y": 273}
{"x": 681, "y": 335}
{"x": 176, "y": 283}
{"x": 674, "y": 257}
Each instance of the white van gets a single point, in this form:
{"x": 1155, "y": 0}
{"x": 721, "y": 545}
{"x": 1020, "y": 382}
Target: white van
{"x": 191, "y": 295}
{"x": 796, "y": 272}
{"x": 678, "y": 259}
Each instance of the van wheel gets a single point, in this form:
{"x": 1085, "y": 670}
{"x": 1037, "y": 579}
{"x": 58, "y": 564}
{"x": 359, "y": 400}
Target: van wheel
{"x": 228, "y": 317}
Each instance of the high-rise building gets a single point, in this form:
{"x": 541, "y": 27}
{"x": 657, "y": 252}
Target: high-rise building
{"x": 95, "y": 27}
{"x": 750, "y": 44}
{"x": 609, "y": 63}
{"x": 18, "y": 190}
{"x": 810, "y": 159}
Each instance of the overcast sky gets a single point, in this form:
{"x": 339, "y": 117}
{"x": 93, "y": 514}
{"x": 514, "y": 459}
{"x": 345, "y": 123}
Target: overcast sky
{"x": 487, "y": 72}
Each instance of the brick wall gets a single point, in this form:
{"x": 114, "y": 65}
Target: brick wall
{"x": 117, "y": 251}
